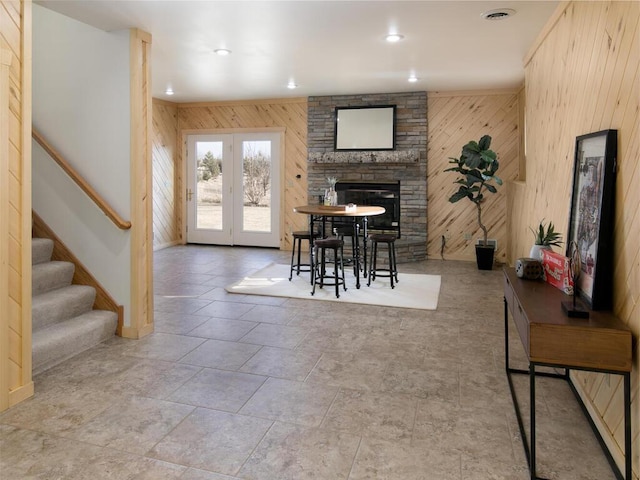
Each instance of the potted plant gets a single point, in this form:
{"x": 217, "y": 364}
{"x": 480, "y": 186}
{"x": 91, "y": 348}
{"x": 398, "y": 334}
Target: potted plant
{"x": 477, "y": 166}
{"x": 545, "y": 237}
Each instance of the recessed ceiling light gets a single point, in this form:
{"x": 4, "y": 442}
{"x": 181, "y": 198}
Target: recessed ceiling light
{"x": 393, "y": 37}
{"x": 291, "y": 85}
{"x": 222, "y": 52}
{"x": 413, "y": 78}
{"x": 169, "y": 91}
{"x": 498, "y": 14}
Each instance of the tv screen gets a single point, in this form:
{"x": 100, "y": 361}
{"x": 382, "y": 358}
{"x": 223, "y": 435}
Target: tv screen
{"x": 365, "y": 128}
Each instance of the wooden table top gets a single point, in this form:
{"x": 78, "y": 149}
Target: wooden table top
{"x": 339, "y": 210}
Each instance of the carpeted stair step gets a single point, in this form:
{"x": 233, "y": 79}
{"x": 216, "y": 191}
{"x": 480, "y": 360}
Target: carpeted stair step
{"x": 65, "y": 339}
{"x": 51, "y": 275}
{"x": 62, "y": 303}
{"x": 41, "y": 250}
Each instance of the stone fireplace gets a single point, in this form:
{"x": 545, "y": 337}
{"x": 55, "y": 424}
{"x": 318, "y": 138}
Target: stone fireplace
{"x": 406, "y": 165}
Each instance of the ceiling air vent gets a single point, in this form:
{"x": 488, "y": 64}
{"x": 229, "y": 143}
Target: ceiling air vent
{"x": 498, "y": 14}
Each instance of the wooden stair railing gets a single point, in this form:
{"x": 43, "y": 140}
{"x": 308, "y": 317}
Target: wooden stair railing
{"x": 82, "y": 183}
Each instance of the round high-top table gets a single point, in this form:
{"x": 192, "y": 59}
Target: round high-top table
{"x": 360, "y": 214}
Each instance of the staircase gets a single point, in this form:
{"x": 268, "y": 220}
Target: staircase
{"x": 63, "y": 320}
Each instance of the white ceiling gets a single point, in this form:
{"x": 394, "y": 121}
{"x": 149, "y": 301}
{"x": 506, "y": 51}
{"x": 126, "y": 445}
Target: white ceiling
{"x": 326, "y": 47}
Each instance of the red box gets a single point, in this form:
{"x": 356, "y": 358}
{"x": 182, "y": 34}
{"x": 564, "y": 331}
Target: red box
{"x": 555, "y": 270}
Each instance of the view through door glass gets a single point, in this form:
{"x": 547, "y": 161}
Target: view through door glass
{"x": 233, "y": 195}
{"x": 209, "y": 184}
{"x": 256, "y": 178}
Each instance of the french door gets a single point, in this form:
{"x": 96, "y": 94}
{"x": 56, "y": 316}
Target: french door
{"x": 233, "y": 189}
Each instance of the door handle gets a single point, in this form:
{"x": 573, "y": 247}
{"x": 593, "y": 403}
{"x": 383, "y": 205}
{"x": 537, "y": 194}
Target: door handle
{"x": 189, "y": 194}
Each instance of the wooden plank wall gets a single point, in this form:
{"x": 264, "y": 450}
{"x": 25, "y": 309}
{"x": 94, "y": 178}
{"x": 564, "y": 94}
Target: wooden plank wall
{"x": 584, "y": 76}
{"x": 15, "y": 44}
{"x": 290, "y": 114}
{"x": 165, "y": 173}
{"x": 454, "y": 119}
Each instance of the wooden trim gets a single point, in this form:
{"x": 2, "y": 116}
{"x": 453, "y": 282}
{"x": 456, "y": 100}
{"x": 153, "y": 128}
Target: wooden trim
{"x": 549, "y": 26}
{"x": 474, "y": 93}
{"x": 224, "y": 131}
{"x": 21, "y": 393}
{"x": 141, "y": 114}
{"x": 26, "y": 154}
{"x": 81, "y": 276}
{"x": 82, "y": 183}
{"x": 5, "y": 65}
{"x": 229, "y": 103}
{"x": 160, "y": 101}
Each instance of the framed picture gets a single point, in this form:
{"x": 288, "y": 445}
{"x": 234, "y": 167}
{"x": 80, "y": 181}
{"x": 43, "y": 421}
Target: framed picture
{"x": 592, "y": 216}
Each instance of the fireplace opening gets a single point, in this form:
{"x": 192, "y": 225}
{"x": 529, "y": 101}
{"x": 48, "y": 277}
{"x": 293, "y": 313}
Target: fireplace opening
{"x": 382, "y": 194}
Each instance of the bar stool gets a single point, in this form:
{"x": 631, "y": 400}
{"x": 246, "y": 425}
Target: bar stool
{"x": 297, "y": 247}
{"x": 343, "y": 231}
{"x": 392, "y": 272}
{"x": 319, "y": 270}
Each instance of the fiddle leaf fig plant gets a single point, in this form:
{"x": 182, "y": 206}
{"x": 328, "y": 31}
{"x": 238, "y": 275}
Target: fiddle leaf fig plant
{"x": 477, "y": 167}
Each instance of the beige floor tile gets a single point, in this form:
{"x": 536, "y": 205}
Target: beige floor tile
{"x": 220, "y": 354}
{"x": 468, "y": 430}
{"x": 282, "y": 336}
{"x": 290, "y": 452}
{"x": 372, "y": 414}
{"x": 195, "y": 474}
{"x": 388, "y": 460}
{"x": 223, "y": 329}
{"x": 218, "y": 389}
{"x": 270, "y": 313}
{"x": 282, "y": 363}
{"x": 230, "y": 310}
{"x": 162, "y": 346}
{"x": 27, "y": 454}
{"x": 348, "y": 370}
{"x": 291, "y": 402}
{"x": 133, "y": 425}
{"x": 178, "y": 323}
{"x": 423, "y": 382}
{"x": 210, "y": 440}
{"x": 150, "y": 378}
{"x": 59, "y": 411}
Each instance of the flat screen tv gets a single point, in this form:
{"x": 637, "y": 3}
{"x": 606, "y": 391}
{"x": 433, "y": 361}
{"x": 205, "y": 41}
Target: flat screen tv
{"x": 365, "y": 128}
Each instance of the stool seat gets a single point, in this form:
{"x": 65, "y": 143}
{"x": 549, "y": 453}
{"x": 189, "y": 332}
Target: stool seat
{"x": 383, "y": 237}
{"x": 392, "y": 272}
{"x": 296, "y": 262}
{"x": 329, "y": 242}
{"x": 319, "y": 268}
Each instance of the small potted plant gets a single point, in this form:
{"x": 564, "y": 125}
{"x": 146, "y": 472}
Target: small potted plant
{"x": 545, "y": 237}
{"x": 477, "y": 167}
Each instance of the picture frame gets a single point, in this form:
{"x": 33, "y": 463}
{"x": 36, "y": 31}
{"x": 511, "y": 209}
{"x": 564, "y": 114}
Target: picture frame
{"x": 591, "y": 220}
{"x": 363, "y": 128}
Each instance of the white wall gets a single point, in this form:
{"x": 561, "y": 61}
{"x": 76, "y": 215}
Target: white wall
{"x": 81, "y": 106}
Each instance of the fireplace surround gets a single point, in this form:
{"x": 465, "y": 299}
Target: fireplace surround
{"x": 381, "y": 194}
{"x": 406, "y": 165}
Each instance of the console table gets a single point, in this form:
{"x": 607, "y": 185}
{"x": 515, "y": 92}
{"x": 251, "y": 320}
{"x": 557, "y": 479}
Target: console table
{"x": 601, "y": 343}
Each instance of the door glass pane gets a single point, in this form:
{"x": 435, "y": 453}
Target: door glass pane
{"x": 256, "y": 171}
{"x": 209, "y": 185}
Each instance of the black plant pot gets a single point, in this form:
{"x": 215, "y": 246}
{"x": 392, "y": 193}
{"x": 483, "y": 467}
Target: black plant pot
{"x": 484, "y": 257}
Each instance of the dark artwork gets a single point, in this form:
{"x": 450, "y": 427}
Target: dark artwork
{"x": 592, "y": 215}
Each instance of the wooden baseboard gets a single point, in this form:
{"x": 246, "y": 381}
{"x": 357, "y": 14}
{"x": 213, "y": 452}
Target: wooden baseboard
{"x": 103, "y": 301}
{"x": 21, "y": 393}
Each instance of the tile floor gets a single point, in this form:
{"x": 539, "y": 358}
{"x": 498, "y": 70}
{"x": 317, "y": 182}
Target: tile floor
{"x": 247, "y": 387}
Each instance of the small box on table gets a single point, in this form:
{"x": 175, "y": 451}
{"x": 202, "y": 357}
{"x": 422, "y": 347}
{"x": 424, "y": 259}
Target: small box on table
{"x": 557, "y": 271}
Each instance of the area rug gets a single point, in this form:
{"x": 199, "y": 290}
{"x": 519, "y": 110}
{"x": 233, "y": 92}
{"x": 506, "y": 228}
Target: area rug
{"x": 412, "y": 291}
